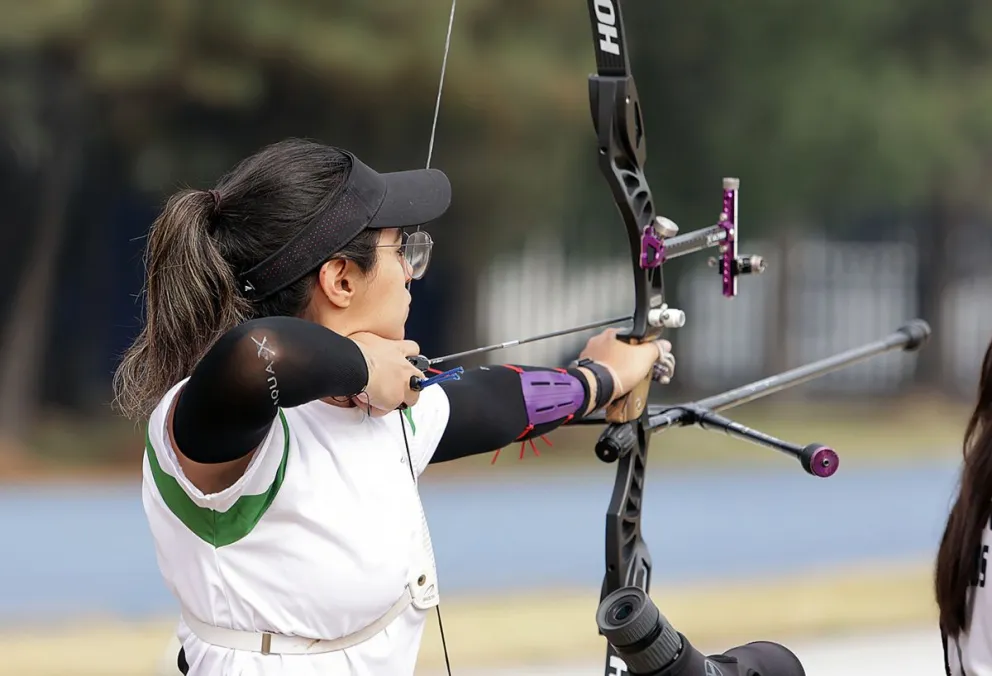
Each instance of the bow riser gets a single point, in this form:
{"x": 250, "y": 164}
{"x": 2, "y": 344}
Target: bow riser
{"x": 616, "y": 114}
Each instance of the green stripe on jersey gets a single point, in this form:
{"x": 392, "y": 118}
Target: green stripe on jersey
{"x": 408, "y": 412}
{"x": 217, "y": 528}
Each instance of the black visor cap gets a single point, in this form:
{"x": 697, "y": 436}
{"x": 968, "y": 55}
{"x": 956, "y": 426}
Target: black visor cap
{"x": 368, "y": 200}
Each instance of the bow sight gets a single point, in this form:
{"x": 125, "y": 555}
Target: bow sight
{"x": 661, "y": 242}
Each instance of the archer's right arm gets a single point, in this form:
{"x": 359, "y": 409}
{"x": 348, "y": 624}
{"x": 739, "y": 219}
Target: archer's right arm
{"x": 228, "y": 405}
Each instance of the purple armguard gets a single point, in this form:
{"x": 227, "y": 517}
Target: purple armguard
{"x": 550, "y": 395}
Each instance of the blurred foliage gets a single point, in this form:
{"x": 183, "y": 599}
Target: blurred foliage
{"x": 811, "y": 103}
{"x": 826, "y": 111}
{"x": 186, "y": 88}
{"x": 818, "y": 104}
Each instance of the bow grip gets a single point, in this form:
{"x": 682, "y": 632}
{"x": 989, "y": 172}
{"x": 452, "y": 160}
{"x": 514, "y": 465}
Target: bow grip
{"x": 630, "y": 406}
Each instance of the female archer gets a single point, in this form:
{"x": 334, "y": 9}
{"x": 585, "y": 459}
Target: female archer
{"x": 285, "y": 436}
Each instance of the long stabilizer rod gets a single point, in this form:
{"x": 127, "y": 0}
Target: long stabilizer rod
{"x": 909, "y": 338}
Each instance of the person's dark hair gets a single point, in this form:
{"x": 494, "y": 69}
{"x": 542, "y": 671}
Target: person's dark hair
{"x": 204, "y": 239}
{"x": 959, "y": 555}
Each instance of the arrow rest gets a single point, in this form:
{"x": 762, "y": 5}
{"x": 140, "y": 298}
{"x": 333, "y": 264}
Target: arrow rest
{"x": 420, "y": 362}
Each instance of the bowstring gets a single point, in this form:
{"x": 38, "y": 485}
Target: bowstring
{"x": 437, "y": 102}
{"x": 413, "y": 476}
{"x": 440, "y": 86}
{"x": 430, "y": 154}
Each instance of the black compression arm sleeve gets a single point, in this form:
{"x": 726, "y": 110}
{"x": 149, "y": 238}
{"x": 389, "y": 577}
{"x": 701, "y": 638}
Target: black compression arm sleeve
{"x": 488, "y": 412}
{"x": 231, "y": 399}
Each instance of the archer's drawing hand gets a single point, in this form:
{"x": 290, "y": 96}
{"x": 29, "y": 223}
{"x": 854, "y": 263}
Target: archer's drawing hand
{"x": 631, "y": 363}
{"x": 389, "y": 373}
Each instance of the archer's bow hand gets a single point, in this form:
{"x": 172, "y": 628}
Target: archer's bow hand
{"x": 630, "y": 364}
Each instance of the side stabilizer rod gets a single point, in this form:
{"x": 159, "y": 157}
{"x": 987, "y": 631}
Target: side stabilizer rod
{"x": 816, "y": 459}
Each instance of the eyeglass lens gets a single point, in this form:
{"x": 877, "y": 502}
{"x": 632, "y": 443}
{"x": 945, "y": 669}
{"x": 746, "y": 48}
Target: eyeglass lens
{"x": 417, "y": 252}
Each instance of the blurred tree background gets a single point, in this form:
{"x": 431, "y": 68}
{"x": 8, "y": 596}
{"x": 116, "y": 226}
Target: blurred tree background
{"x": 861, "y": 119}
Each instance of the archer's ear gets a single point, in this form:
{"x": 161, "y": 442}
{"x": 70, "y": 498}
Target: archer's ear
{"x": 337, "y": 282}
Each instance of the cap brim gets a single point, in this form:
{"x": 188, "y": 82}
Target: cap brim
{"x": 412, "y": 198}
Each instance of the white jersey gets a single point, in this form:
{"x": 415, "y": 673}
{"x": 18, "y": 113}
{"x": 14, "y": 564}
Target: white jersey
{"x": 970, "y": 654}
{"x": 316, "y": 539}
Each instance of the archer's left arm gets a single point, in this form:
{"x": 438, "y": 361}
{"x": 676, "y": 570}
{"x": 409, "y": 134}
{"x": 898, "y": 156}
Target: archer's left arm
{"x": 491, "y": 407}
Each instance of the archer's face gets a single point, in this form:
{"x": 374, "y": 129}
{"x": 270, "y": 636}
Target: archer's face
{"x": 352, "y": 301}
{"x": 383, "y": 301}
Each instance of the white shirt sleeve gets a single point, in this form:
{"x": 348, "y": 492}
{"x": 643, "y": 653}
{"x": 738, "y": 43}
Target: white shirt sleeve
{"x": 425, "y": 424}
{"x": 257, "y": 479}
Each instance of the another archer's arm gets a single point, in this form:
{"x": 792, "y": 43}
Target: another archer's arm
{"x": 491, "y": 407}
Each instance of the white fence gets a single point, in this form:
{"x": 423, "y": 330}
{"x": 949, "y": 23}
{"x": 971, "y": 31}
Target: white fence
{"x": 837, "y": 295}
{"x": 967, "y": 321}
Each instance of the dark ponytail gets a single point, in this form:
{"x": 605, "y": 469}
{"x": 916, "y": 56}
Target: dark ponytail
{"x": 959, "y": 556}
{"x": 192, "y": 299}
{"x": 203, "y": 239}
